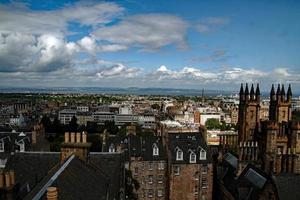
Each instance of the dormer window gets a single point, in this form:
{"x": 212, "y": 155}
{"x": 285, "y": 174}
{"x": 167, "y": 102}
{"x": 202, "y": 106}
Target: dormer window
{"x": 22, "y": 147}
{"x": 192, "y": 157}
{"x": 111, "y": 148}
{"x": 155, "y": 150}
{"x": 179, "y": 154}
{"x": 2, "y": 146}
{"x": 202, "y": 154}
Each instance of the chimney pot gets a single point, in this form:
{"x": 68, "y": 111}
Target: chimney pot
{"x": 78, "y": 137}
{"x": 7, "y": 180}
{"x": 84, "y": 137}
{"x": 72, "y": 137}
{"x": 52, "y": 193}
{"x": 67, "y": 137}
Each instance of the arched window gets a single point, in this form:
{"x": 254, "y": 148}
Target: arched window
{"x": 179, "y": 154}
{"x": 155, "y": 150}
{"x": 192, "y": 157}
{"x": 202, "y": 154}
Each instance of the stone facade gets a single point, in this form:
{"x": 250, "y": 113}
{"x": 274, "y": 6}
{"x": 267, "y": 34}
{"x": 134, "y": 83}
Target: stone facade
{"x": 192, "y": 181}
{"x": 151, "y": 176}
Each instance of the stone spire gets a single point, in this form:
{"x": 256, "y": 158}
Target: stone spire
{"x": 257, "y": 92}
{"x": 289, "y": 93}
{"x": 252, "y": 92}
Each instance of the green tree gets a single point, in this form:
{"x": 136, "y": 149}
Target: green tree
{"x": 212, "y": 123}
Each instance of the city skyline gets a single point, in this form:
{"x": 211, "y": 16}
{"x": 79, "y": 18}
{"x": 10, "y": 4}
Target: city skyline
{"x": 207, "y": 44}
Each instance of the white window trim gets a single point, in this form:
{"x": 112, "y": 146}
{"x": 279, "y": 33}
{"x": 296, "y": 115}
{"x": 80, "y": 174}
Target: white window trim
{"x": 202, "y": 154}
{"x": 179, "y": 154}
{"x": 193, "y": 157}
{"x": 2, "y": 149}
{"x": 177, "y": 173}
{"x": 22, "y": 147}
{"x": 111, "y": 149}
{"x": 155, "y": 150}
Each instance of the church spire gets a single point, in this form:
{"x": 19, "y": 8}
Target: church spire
{"x": 242, "y": 94}
{"x": 252, "y": 92}
{"x": 272, "y": 93}
{"x": 247, "y": 92}
{"x": 289, "y": 93}
{"x": 278, "y": 93}
{"x": 257, "y": 93}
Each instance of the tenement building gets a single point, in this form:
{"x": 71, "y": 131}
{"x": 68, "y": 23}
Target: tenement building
{"x": 190, "y": 167}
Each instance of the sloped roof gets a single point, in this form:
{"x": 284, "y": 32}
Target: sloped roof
{"x": 288, "y": 186}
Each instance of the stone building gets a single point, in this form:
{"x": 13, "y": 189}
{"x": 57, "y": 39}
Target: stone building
{"x": 277, "y": 140}
{"x": 190, "y": 167}
{"x": 146, "y": 158}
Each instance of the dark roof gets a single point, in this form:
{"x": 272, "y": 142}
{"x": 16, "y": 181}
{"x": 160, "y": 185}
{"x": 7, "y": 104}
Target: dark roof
{"x": 288, "y": 186}
{"x": 112, "y": 165}
{"x": 31, "y": 167}
{"x": 188, "y": 142}
{"x": 138, "y": 146}
{"x": 231, "y": 159}
{"x": 77, "y": 181}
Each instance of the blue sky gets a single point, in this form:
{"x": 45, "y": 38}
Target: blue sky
{"x": 180, "y": 44}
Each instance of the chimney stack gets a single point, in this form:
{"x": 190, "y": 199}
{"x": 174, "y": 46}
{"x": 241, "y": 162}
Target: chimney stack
{"x": 67, "y": 136}
{"x": 52, "y": 193}
{"x": 72, "y": 137}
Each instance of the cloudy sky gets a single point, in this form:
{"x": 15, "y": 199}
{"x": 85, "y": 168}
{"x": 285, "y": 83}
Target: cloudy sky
{"x": 176, "y": 44}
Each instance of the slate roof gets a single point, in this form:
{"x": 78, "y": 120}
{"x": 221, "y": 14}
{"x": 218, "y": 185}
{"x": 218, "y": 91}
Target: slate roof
{"x": 77, "y": 181}
{"x": 288, "y": 186}
{"x": 138, "y": 146}
{"x": 112, "y": 165}
{"x": 30, "y": 167}
{"x": 188, "y": 142}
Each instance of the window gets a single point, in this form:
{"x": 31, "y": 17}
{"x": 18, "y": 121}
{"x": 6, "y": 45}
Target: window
{"x": 136, "y": 171}
{"x": 22, "y": 147}
{"x": 1, "y": 146}
{"x": 159, "y": 192}
{"x": 155, "y": 150}
{"x": 204, "y": 169}
{"x": 150, "y": 179}
{"x": 161, "y": 165}
{"x": 202, "y": 154}
{"x": 179, "y": 154}
{"x": 196, "y": 176}
{"x": 298, "y": 135}
{"x": 176, "y": 170}
{"x": 150, "y": 166}
{"x": 204, "y": 183}
{"x": 192, "y": 157}
{"x": 111, "y": 148}
{"x": 150, "y": 193}
{"x": 160, "y": 178}
{"x": 195, "y": 189}
{"x": 203, "y": 197}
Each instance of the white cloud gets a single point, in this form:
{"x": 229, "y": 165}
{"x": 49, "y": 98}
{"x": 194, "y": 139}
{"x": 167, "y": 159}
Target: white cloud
{"x": 21, "y": 19}
{"x": 26, "y": 52}
{"x": 118, "y": 70}
{"x": 148, "y": 31}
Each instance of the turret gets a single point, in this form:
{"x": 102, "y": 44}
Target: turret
{"x": 242, "y": 94}
{"x": 272, "y": 94}
{"x": 278, "y": 93}
{"x": 246, "y": 92}
{"x": 257, "y": 93}
{"x": 252, "y": 93}
{"x": 282, "y": 93}
{"x": 289, "y": 93}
